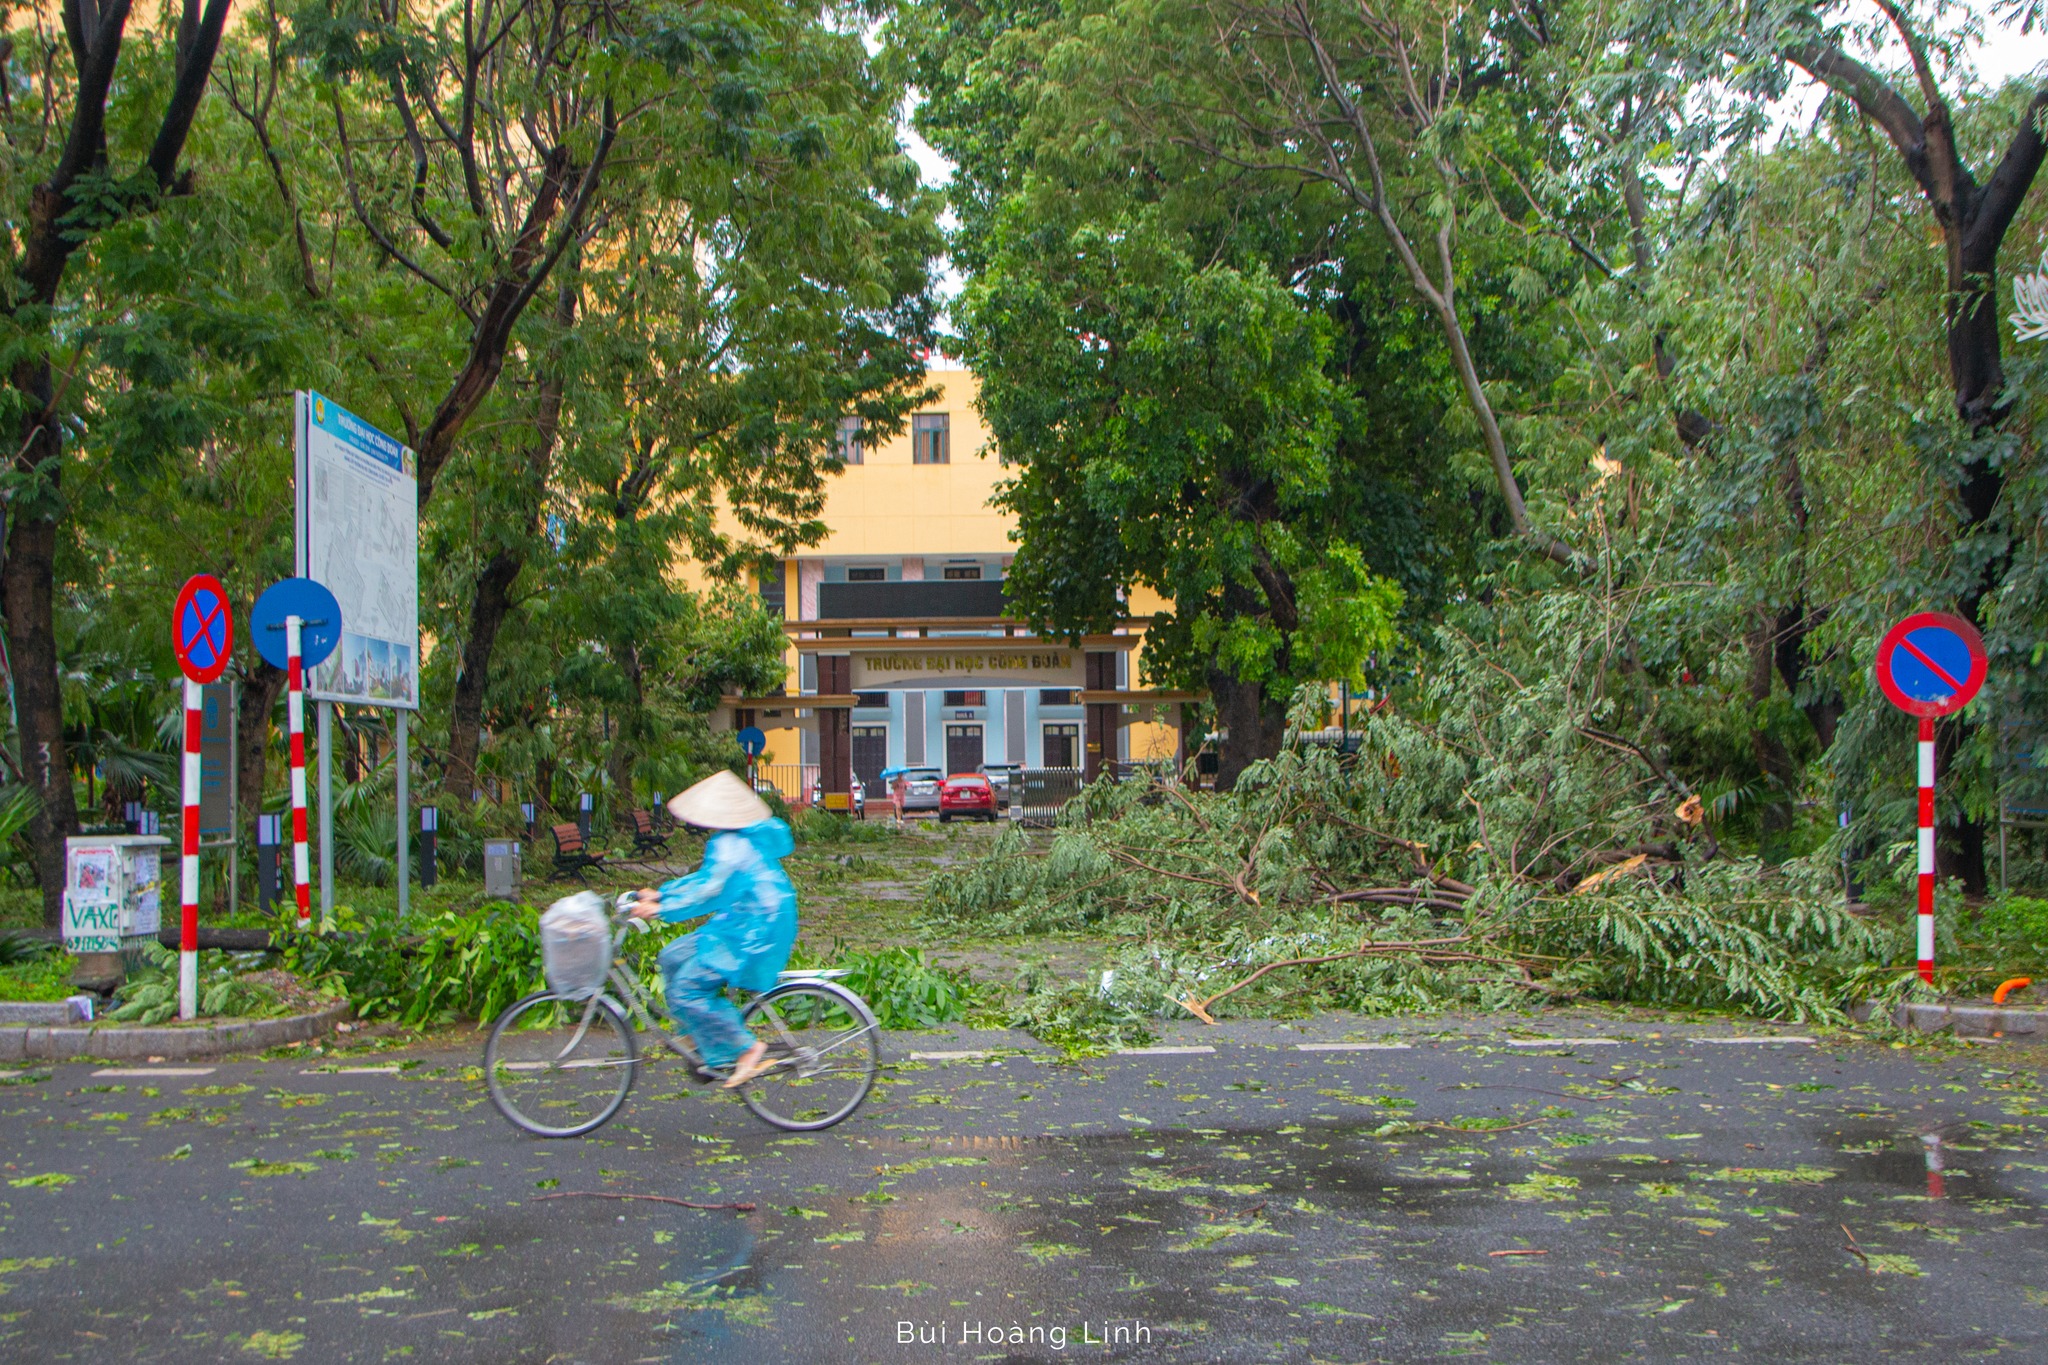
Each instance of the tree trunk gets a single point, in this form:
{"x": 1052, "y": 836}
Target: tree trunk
{"x": 28, "y": 602}
{"x": 260, "y": 690}
{"x": 487, "y": 612}
{"x": 544, "y": 790}
{"x": 1961, "y": 837}
{"x": 1822, "y": 713}
{"x": 1781, "y": 773}
{"x": 1254, "y": 724}
{"x": 45, "y": 240}
{"x": 493, "y": 601}
{"x": 630, "y": 730}
{"x": 349, "y": 741}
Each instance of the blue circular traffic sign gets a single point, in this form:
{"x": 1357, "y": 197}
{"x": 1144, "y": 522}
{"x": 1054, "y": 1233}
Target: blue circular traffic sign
{"x": 319, "y": 622}
{"x": 202, "y": 628}
{"x": 1931, "y": 664}
{"x": 753, "y": 743}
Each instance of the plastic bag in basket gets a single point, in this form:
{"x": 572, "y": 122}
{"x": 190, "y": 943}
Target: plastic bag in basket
{"x": 576, "y": 945}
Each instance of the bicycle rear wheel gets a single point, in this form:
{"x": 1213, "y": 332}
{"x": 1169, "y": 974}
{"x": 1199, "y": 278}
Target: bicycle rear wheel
{"x": 825, "y": 1048}
{"x": 559, "y": 1067}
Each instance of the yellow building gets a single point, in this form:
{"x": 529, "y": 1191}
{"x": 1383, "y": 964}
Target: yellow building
{"x": 914, "y": 551}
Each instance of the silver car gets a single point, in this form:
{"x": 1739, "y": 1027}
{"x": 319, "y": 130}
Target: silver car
{"x": 1007, "y": 779}
{"x": 918, "y": 789}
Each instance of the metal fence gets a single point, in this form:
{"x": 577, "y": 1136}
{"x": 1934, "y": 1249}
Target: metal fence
{"x": 796, "y": 782}
{"x": 1041, "y": 792}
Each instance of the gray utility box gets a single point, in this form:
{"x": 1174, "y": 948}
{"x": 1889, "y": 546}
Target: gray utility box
{"x": 503, "y": 861}
{"x": 113, "y": 902}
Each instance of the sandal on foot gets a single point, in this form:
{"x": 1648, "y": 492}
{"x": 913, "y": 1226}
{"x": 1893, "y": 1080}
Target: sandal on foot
{"x": 744, "y": 1071}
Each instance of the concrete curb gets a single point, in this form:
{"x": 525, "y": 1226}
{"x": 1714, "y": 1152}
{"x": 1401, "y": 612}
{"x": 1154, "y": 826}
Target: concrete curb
{"x": 118, "y": 1043}
{"x": 42, "y": 1012}
{"x": 1966, "y": 1021}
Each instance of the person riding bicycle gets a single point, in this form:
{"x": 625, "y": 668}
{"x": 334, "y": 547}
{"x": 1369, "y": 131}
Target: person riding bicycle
{"x": 752, "y": 928}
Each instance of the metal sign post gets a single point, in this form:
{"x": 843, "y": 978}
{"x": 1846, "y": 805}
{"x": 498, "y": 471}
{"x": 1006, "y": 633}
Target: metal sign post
{"x": 403, "y": 760}
{"x": 203, "y": 637}
{"x": 1929, "y": 665}
{"x": 188, "y": 878}
{"x": 326, "y": 816}
{"x": 753, "y": 742}
{"x": 295, "y": 721}
{"x": 297, "y": 624}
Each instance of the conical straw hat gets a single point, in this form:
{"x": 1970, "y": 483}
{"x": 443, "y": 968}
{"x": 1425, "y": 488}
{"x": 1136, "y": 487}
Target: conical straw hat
{"x": 720, "y": 801}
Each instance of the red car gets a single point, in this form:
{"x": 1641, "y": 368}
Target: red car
{"x": 967, "y": 794}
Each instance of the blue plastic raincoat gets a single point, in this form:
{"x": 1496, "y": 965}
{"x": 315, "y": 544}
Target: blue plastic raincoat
{"x": 753, "y": 925}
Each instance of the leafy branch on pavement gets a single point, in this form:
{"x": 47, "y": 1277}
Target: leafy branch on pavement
{"x": 1493, "y": 844}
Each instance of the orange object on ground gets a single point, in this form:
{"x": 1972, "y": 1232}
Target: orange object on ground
{"x": 2007, "y": 987}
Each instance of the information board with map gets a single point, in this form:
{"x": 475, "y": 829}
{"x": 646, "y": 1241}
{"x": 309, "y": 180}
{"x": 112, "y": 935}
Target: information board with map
{"x": 358, "y": 531}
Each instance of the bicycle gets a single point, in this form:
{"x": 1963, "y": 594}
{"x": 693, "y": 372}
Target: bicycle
{"x": 824, "y": 1048}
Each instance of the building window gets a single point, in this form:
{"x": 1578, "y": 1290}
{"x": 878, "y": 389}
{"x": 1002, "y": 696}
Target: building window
{"x": 1056, "y": 696}
{"x": 849, "y": 440}
{"x": 963, "y": 571}
{"x": 773, "y": 591}
{"x": 870, "y": 699}
{"x": 1062, "y": 746}
{"x": 869, "y": 575}
{"x": 967, "y": 699}
{"x": 928, "y": 439}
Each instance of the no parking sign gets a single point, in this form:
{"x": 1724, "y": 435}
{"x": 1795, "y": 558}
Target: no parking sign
{"x": 202, "y": 628}
{"x": 203, "y": 637}
{"x": 1930, "y": 664}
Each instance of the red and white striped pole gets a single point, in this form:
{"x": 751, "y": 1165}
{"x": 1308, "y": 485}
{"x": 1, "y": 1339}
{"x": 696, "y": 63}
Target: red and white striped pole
{"x": 1927, "y": 848}
{"x": 188, "y": 928}
{"x": 295, "y": 712}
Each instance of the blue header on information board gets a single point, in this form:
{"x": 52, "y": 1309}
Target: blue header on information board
{"x": 337, "y": 421}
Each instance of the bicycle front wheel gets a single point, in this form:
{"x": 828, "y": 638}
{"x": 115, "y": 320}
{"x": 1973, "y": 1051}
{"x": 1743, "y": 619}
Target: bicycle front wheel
{"x": 559, "y": 1067}
{"x": 825, "y": 1049}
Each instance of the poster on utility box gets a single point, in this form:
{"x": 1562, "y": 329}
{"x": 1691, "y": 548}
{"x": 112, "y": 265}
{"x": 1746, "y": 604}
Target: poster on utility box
{"x": 358, "y": 529}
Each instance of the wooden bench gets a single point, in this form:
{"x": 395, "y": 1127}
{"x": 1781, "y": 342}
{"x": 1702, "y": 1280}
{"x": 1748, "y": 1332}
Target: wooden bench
{"x": 646, "y": 838}
{"x": 572, "y": 853}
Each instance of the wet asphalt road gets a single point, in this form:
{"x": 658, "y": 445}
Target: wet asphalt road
{"x": 1658, "y": 1198}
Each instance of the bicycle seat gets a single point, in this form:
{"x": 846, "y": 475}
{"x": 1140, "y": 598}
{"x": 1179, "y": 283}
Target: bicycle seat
{"x": 814, "y": 974}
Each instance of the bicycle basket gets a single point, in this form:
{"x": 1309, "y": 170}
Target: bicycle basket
{"x": 576, "y": 945}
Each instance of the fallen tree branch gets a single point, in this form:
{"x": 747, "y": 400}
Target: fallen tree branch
{"x": 1503, "y": 1128}
{"x": 649, "y": 1198}
{"x": 1435, "y": 899}
{"x": 1143, "y": 866}
{"x": 1537, "y": 1090}
{"x": 1420, "y": 947}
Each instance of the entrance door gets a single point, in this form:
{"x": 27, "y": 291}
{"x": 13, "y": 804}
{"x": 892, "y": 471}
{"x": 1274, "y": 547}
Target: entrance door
{"x": 870, "y": 755}
{"x": 963, "y": 748}
{"x": 1062, "y": 746}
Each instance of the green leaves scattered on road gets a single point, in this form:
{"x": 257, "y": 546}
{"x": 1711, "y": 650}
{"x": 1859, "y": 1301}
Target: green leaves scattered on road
{"x": 274, "y": 1345}
{"x": 1762, "y": 1175}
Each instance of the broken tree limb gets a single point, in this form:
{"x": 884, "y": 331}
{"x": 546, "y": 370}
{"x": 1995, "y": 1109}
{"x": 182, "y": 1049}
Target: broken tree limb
{"x": 649, "y": 1198}
{"x": 1436, "y": 898}
{"x": 1428, "y": 949}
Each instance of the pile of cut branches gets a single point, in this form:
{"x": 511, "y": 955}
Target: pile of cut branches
{"x": 1505, "y": 847}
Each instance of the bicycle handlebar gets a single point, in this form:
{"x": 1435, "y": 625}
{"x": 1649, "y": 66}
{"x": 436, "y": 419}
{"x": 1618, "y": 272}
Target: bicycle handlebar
{"x": 622, "y": 910}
